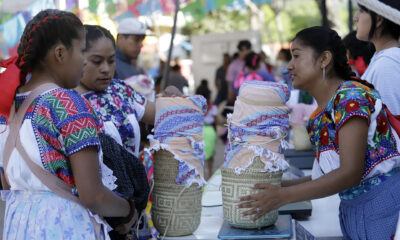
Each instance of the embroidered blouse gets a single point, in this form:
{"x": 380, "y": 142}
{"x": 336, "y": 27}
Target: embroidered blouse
{"x": 354, "y": 99}
{"x": 58, "y": 124}
{"x": 120, "y": 108}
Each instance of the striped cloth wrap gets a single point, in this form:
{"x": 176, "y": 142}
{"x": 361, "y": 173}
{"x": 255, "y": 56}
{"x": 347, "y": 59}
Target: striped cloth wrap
{"x": 257, "y": 127}
{"x": 178, "y": 128}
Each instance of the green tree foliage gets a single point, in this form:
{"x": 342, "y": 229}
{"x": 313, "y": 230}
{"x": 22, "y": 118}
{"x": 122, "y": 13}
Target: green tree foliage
{"x": 296, "y": 15}
{"x": 219, "y": 21}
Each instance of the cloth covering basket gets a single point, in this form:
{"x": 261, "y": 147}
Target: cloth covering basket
{"x": 176, "y": 209}
{"x": 235, "y": 186}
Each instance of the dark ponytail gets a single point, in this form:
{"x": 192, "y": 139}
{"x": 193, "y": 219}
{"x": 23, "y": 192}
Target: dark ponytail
{"x": 325, "y": 39}
{"x": 252, "y": 60}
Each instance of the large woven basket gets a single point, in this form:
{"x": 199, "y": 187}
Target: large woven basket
{"x": 186, "y": 211}
{"x": 235, "y": 186}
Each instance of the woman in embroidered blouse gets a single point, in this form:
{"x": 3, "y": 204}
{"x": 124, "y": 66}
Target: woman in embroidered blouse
{"x": 118, "y": 105}
{"x": 61, "y": 132}
{"x": 378, "y": 21}
{"x": 357, "y": 151}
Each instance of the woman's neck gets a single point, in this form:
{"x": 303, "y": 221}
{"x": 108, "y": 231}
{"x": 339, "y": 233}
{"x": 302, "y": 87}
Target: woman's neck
{"x": 385, "y": 42}
{"x": 37, "y": 78}
{"x": 82, "y": 88}
{"x": 325, "y": 90}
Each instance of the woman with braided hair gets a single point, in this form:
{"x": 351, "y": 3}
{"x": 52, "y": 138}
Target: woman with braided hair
{"x": 60, "y": 131}
{"x": 357, "y": 150}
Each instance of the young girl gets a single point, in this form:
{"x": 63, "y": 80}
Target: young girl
{"x": 252, "y": 71}
{"x": 118, "y": 105}
{"x": 60, "y": 131}
{"x": 378, "y": 21}
{"x": 357, "y": 151}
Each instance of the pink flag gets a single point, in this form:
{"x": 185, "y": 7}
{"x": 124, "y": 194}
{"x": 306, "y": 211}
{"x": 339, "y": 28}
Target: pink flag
{"x": 168, "y": 6}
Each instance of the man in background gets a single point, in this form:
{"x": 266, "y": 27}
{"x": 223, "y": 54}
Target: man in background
{"x": 131, "y": 33}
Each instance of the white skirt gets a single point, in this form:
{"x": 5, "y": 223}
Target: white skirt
{"x": 45, "y": 215}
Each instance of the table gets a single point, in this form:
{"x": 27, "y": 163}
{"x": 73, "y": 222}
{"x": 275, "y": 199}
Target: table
{"x": 324, "y": 221}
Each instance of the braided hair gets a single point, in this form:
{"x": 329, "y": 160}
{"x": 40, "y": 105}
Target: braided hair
{"x": 42, "y": 32}
{"x": 322, "y": 39}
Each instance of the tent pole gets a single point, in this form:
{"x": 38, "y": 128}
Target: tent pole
{"x": 171, "y": 45}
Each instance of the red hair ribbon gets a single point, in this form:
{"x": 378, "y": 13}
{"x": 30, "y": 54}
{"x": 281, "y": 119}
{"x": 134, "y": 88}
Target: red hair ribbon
{"x": 254, "y": 61}
{"x": 9, "y": 82}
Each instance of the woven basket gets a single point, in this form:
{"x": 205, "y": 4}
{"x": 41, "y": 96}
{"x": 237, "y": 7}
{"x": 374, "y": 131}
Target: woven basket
{"x": 185, "y": 217}
{"x": 235, "y": 186}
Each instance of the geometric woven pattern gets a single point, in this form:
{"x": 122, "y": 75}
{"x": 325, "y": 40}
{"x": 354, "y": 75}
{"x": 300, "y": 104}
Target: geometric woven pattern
{"x": 235, "y": 186}
{"x": 185, "y": 203}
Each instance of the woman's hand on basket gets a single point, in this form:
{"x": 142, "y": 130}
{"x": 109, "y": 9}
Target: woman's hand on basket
{"x": 171, "y": 91}
{"x": 269, "y": 198}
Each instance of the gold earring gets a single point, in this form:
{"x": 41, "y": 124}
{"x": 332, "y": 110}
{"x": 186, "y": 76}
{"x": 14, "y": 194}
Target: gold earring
{"x": 323, "y": 73}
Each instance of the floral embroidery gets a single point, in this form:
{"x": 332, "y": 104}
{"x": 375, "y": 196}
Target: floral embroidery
{"x": 115, "y": 104}
{"x": 352, "y": 106}
{"x": 352, "y": 99}
{"x": 383, "y": 125}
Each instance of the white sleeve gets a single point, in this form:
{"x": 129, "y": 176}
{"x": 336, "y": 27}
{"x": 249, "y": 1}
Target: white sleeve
{"x": 139, "y": 104}
{"x": 316, "y": 170}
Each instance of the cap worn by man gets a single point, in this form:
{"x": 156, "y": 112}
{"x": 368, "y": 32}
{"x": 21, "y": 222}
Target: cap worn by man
{"x": 131, "y": 26}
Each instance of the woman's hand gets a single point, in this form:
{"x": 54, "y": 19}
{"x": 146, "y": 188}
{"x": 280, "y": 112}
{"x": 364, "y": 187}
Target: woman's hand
{"x": 171, "y": 91}
{"x": 125, "y": 228}
{"x": 269, "y": 198}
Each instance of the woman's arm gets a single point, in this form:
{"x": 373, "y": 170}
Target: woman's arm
{"x": 149, "y": 113}
{"x": 4, "y": 183}
{"x": 352, "y": 144}
{"x": 150, "y": 110}
{"x": 93, "y": 194}
{"x": 288, "y": 183}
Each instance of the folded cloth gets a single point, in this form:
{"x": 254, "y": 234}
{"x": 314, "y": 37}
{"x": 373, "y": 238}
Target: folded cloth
{"x": 178, "y": 129}
{"x": 258, "y": 126}
{"x": 143, "y": 84}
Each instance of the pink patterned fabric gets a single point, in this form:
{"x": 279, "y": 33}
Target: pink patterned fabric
{"x": 258, "y": 126}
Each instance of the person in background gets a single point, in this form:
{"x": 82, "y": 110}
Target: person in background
{"x": 135, "y": 64}
{"x": 131, "y": 33}
{"x": 378, "y": 22}
{"x": 252, "y": 72}
{"x": 237, "y": 66}
{"x": 281, "y": 62}
{"x": 176, "y": 79}
{"x": 60, "y": 130}
{"x": 209, "y": 132}
{"x": 118, "y": 105}
{"x": 266, "y": 60}
{"x": 358, "y": 52}
{"x": 357, "y": 150}
{"x": 220, "y": 80}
